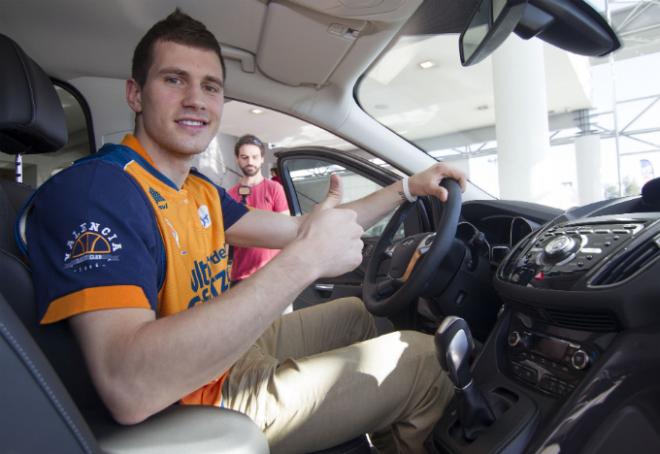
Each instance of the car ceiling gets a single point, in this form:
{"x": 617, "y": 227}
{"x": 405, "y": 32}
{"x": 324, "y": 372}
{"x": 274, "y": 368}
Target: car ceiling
{"x": 333, "y": 42}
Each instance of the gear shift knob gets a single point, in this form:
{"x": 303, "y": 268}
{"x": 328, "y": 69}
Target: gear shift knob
{"x": 454, "y": 347}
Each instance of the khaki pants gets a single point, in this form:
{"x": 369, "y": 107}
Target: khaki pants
{"x": 318, "y": 377}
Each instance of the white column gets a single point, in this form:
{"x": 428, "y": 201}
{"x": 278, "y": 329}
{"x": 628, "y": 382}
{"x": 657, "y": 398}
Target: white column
{"x": 521, "y": 120}
{"x": 587, "y": 159}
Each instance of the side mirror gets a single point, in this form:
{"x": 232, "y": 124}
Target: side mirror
{"x": 571, "y": 25}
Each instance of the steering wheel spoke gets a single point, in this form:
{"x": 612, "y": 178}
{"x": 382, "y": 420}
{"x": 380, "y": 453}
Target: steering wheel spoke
{"x": 386, "y": 287}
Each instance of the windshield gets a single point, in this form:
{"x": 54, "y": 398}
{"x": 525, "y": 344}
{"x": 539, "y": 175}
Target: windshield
{"x": 531, "y": 122}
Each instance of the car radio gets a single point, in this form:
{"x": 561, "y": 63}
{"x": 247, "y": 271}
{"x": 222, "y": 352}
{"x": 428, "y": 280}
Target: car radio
{"x": 560, "y": 255}
{"x": 550, "y": 364}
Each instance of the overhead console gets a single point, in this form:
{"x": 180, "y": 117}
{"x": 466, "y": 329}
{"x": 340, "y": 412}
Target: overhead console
{"x": 325, "y": 34}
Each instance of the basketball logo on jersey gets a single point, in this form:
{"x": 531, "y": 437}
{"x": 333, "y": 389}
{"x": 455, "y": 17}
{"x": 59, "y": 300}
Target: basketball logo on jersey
{"x": 204, "y": 216}
{"x": 92, "y": 246}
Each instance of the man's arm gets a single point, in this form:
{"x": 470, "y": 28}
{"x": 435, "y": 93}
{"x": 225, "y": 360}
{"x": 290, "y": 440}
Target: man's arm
{"x": 140, "y": 364}
{"x": 372, "y": 208}
{"x": 266, "y": 229}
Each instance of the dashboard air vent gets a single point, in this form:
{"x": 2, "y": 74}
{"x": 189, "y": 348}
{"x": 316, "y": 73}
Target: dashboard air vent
{"x": 587, "y": 321}
{"x": 599, "y": 321}
{"x": 628, "y": 264}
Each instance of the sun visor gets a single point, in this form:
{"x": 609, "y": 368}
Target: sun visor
{"x": 311, "y": 54}
{"x": 31, "y": 116}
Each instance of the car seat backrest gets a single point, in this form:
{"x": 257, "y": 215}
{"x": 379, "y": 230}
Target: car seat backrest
{"x": 12, "y": 195}
{"x": 37, "y": 413}
{"x": 32, "y": 121}
{"x": 56, "y": 341}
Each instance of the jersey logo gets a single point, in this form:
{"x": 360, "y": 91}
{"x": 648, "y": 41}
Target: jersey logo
{"x": 204, "y": 216}
{"x": 92, "y": 246}
{"x": 161, "y": 203}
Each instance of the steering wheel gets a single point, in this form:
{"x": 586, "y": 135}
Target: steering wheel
{"x": 412, "y": 260}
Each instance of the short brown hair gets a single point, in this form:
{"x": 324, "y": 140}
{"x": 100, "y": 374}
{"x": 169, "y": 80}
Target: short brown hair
{"x": 178, "y": 28}
{"x": 249, "y": 139}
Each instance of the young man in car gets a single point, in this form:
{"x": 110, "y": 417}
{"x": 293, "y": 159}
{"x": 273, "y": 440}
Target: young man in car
{"x": 255, "y": 191}
{"x": 128, "y": 246}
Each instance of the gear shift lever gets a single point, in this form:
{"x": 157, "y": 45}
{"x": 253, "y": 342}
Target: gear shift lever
{"x": 454, "y": 346}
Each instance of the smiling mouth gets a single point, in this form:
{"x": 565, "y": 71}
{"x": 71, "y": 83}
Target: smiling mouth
{"x": 193, "y": 123}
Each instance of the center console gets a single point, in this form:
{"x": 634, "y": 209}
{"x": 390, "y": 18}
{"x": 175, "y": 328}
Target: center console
{"x": 547, "y": 363}
{"x": 569, "y": 290}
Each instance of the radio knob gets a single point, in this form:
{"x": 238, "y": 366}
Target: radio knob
{"x": 579, "y": 359}
{"x": 559, "y": 248}
{"x": 514, "y": 339}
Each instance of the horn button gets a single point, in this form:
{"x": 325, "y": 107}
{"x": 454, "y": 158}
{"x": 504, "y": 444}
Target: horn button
{"x": 406, "y": 251}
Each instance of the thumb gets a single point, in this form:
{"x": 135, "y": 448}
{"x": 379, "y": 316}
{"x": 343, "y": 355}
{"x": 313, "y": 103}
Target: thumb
{"x": 334, "y": 193}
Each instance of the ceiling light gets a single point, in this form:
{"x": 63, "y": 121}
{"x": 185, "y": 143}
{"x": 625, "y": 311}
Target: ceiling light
{"x": 427, "y": 64}
{"x": 256, "y": 111}
{"x": 482, "y": 107}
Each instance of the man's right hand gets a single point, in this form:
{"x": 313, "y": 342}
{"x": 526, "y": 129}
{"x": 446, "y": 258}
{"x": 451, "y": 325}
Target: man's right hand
{"x": 331, "y": 236}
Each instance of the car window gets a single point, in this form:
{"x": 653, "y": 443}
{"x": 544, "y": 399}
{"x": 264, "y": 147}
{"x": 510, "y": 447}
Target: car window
{"x": 278, "y": 131}
{"x": 601, "y": 138}
{"x": 310, "y": 179}
{"x": 38, "y": 168}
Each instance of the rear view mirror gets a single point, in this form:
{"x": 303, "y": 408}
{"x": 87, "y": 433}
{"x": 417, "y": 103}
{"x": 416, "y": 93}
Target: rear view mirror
{"x": 571, "y": 25}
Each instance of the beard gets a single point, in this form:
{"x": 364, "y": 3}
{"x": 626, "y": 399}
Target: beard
{"x": 250, "y": 171}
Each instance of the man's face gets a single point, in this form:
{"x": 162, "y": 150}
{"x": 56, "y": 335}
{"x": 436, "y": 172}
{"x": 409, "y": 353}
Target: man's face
{"x": 181, "y": 102}
{"x": 249, "y": 159}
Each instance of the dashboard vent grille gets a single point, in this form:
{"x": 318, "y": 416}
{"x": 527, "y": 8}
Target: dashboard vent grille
{"x": 628, "y": 264}
{"x": 589, "y": 321}
{"x": 598, "y": 321}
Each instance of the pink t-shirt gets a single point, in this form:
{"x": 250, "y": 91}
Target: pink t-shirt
{"x": 267, "y": 195}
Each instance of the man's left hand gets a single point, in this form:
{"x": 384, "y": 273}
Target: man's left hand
{"x": 428, "y": 181}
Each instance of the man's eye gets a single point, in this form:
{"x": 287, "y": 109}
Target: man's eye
{"x": 172, "y": 80}
{"x": 212, "y": 88}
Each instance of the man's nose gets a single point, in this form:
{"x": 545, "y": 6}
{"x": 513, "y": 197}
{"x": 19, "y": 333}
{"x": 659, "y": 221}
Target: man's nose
{"x": 194, "y": 97}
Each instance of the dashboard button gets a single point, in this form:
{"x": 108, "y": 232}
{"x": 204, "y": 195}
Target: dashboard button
{"x": 528, "y": 374}
{"x": 514, "y": 338}
{"x": 546, "y": 384}
{"x": 579, "y": 360}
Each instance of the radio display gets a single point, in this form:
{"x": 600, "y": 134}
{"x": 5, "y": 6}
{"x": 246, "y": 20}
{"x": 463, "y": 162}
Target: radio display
{"x": 550, "y": 348}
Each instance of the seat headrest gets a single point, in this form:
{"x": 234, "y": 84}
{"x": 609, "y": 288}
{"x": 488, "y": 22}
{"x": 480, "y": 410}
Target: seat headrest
{"x": 31, "y": 116}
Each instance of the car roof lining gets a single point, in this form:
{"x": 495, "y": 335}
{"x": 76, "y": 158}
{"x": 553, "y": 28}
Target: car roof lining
{"x": 259, "y": 27}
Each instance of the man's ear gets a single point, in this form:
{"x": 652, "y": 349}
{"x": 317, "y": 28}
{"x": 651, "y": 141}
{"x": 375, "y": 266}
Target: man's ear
{"x": 134, "y": 95}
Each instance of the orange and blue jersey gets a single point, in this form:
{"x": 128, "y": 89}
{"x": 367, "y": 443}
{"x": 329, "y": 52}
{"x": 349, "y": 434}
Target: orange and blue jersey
{"x": 111, "y": 231}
